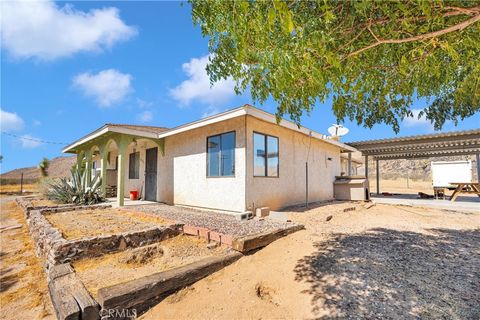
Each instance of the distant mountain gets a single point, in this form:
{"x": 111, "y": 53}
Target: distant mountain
{"x": 59, "y": 167}
{"x": 418, "y": 169}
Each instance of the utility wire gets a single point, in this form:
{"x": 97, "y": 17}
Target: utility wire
{"x": 32, "y": 139}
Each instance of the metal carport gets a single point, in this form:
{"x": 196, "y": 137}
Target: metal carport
{"x": 420, "y": 146}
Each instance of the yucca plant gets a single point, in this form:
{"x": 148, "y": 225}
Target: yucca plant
{"x": 43, "y": 167}
{"x": 75, "y": 189}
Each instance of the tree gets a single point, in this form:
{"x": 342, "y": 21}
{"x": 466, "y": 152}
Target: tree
{"x": 43, "y": 167}
{"x": 372, "y": 59}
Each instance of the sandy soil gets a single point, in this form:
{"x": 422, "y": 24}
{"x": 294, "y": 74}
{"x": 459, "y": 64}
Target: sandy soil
{"x": 23, "y": 285}
{"x": 382, "y": 262}
{"x": 89, "y": 223}
{"x": 111, "y": 269}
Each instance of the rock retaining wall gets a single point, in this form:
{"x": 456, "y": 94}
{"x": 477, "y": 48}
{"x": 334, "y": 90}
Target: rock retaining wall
{"x": 56, "y": 250}
{"x": 26, "y": 204}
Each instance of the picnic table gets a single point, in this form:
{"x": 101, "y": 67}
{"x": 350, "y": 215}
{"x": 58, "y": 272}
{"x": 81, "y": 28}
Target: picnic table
{"x": 470, "y": 187}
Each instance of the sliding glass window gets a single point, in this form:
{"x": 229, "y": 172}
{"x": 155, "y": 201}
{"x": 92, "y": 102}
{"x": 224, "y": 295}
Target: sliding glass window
{"x": 265, "y": 155}
{"x": 221, "y": 155}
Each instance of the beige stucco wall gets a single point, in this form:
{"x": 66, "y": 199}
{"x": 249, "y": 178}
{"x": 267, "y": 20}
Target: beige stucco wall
{"x": 289, "y": 187}
{"x": 182, "y": 174}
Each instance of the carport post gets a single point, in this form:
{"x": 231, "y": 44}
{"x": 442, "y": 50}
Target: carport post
{"x": 478, "y": 166}
{"x": 366, "y": 166}
{"x": 378, "y": 176}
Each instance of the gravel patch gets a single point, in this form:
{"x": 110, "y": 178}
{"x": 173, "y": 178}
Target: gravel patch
{"x": 214, "y": 221}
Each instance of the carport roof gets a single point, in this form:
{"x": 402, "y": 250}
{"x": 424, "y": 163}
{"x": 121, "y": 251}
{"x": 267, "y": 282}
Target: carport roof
{"x": 422, "y": 146}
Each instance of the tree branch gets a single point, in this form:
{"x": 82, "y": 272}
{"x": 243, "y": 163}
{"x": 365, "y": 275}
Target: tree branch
{"x": 373, "y": 34}
{"x": 454, "y": 11}
{"x": 456, "y": 27}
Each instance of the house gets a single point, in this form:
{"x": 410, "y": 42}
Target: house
{"x": 233, "y": 161}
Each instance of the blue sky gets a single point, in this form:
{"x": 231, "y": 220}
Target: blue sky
{"x": 67, "y": 68}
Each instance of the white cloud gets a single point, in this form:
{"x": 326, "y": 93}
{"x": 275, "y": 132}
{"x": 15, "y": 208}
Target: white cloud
{"x": 29, "y": 142}
{"x": 198, "y": 87}
{"x": 210, "y": 111}
{"x": 415, "y": 121}
{"x": 144, "y": 103}
{"x": 41, "y": 29}
{"x": 36, "y": 123}
{"x": 145, "y": 116}
{"x": 10, "y": 121}
{"x": 107, "y": 87}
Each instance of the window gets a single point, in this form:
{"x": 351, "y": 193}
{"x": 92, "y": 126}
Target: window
{"x": 134, "y": 165}
{"x": 221, "y": 155}
{"x": 265, "y": 157}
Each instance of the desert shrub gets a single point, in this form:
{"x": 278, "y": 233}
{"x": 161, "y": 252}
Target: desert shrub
{"x": 75, "y": 189}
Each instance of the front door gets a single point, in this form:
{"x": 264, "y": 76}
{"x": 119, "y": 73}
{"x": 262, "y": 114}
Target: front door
{"x": 151, "y": 174}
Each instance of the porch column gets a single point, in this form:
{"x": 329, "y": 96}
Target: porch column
{"x": 378, "y": 176}
{"x": 122, "y": 155}
{"x": 477, "y": 156}
{"x": 80, "y": 155}
{"x": 88, "y": 167}
{"x": 103, "y": 168}
{"x": 366, "y": 166}
{"x": 349, "y": 163}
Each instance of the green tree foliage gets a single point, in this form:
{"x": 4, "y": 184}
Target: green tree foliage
{"x": 371, "y": 58}
{"x": 43, "y": 167}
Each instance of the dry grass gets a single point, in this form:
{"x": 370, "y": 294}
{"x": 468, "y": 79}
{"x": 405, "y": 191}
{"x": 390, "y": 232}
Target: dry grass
{"x": 111, "y": 269}
{"x": 90, "y": 223}
{"x": 23, "y": 281}
{"x": 15, "y": 188}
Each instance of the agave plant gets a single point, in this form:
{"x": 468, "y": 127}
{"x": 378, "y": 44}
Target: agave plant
{"x": 75, "y": 189}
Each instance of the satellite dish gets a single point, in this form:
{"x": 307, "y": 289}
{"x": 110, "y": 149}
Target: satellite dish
{"x": 337, "y": 130}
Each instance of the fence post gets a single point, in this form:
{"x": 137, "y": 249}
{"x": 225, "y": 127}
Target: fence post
{"x": 21, "y": 184}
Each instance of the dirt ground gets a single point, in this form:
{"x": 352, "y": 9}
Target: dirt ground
{"x": 39, "y": 202}
{"x": 90, "y": 223}
{"x": 384, "y": 262}
{"x": 23, "y": 285}
{"x": 114, "y": 268}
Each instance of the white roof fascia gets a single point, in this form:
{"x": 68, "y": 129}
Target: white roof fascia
{"x": 260, "y": 114}
{"x": 204, "y": 122}
{"x": 257, "y": 113}
{"x": 99, "y": 132}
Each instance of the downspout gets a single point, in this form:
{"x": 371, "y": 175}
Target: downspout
{"x": 306, "y": 168}
{"x": 246, "y": 166}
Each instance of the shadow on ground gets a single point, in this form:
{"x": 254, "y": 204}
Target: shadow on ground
{"x": 386, "y": 273}
{"x": 7, "y": 279}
